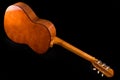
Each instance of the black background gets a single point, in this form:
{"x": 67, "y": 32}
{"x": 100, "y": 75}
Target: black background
{"x": 115, "y": 4}
{"x": 80, "y": 23}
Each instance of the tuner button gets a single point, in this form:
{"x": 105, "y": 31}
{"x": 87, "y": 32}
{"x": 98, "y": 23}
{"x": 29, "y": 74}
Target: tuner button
{"x": 99, "y": 62}
{"x": 98, "y": 72}
{"x": 107, "y": 67}
{"x": 102, "y": 75}
{"x": 103, "y": 64}
{"x": 94, "y": 69}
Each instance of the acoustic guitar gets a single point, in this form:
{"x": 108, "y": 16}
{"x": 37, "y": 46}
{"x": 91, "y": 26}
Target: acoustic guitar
{"x": 23, "y": 26}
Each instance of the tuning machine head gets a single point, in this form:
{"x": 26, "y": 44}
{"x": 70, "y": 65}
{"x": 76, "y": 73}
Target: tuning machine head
{"x": 103, "y": 68}
{"x": 98, "y": 72}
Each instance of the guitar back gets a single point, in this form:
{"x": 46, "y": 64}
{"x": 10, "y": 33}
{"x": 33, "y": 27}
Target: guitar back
{"x": 23, "y": 26}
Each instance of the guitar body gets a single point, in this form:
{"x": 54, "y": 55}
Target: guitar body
{"x": 24, "y": 27}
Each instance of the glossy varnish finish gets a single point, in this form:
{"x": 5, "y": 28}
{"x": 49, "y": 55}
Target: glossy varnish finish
{"x": 23, "y": 26}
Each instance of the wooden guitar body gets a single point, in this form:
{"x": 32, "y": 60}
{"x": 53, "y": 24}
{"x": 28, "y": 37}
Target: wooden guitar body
{"x": 23, "y": 26}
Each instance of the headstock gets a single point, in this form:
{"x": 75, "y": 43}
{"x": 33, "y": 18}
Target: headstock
{"x": 103, "y": 68}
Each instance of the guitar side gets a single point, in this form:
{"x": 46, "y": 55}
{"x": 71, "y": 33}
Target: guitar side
{"x": 23, "y": 26}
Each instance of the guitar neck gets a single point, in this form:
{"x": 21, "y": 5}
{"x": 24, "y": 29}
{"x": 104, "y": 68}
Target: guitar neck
{"x": 73, "y": 49}
{"x": 103, "y": 68}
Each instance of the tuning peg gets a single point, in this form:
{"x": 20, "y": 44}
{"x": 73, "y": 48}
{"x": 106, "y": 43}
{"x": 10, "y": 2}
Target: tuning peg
{"x": 107, "y": 67}
{"x": 98, "y": 72}
{"x": 99, "y": 62}
{"x": 103, "y": 64}
{"x": 94, "y": 69}
{"x": 102, "y": 75}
